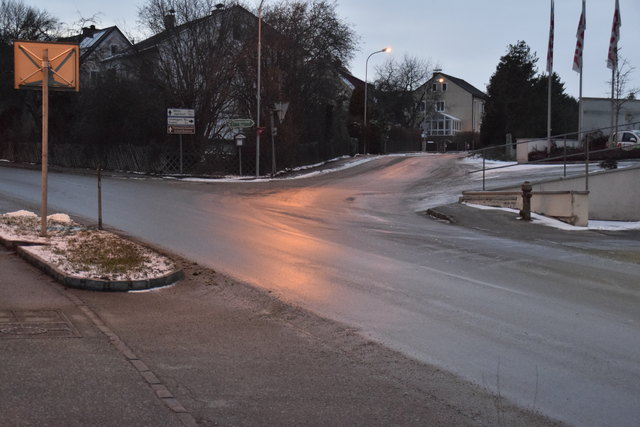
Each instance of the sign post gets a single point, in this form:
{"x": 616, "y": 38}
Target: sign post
{"x": 181, "y": 121}
{"x": 45, "y": 141}
{"x": 46, "y": 65}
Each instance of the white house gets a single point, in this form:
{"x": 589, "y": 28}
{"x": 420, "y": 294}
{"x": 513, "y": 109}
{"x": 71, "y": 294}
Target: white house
{"x": 98, "y": 49}
{"x": 451, "y": 105}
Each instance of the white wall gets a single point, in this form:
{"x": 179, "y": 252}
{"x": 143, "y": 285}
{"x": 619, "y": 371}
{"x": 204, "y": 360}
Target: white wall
{"x": 613, "y": 195}
{"x": 597, "y": 114}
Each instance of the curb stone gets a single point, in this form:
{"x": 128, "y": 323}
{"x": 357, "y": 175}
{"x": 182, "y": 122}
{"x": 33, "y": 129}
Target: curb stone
{"x": 89, "y": 284}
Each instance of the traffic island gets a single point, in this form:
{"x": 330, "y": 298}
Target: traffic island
{"x": 86, "y": 258}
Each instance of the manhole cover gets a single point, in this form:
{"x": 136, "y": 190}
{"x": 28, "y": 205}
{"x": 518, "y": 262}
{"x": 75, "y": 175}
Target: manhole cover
{"x": 16, "y": 324}
{"x": 23, "y": 330}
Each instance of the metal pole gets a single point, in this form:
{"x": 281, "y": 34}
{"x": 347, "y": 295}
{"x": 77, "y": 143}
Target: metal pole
{"x": 364, "y": 121}
{"x": 613, "y": 77}
{"x": 549, "y": 115}
{"x": 258, "y": 93}
{"x": 240, "y": 159}
{"x": 180, "y": 154}
{"x": 273, "y": 146}
{"x": 45, "y": 140}
{"x": 99, "y": 196}
{"x": 586, "y": 164}
{"x": 564, "y": 155}
{"x": 484, "y": 155}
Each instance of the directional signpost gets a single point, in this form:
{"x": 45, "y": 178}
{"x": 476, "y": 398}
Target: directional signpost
{"x": 181, "y": 121}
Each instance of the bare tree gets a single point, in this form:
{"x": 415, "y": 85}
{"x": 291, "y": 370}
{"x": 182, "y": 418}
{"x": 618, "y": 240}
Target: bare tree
{"x": 197, "y": 55}
{"x": 397, "y": 86}
{"x": 621, "y": 92}
{"x": 19, "y": 21}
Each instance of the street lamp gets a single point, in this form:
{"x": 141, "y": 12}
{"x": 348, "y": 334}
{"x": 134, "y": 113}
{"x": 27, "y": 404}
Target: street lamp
{"x": 366, "y": 69}
{"x": 258, "y": 94}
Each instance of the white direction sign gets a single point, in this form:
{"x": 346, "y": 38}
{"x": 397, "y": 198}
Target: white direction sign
{"x": 181, "y": 112}
{"x": 181, "y": 121}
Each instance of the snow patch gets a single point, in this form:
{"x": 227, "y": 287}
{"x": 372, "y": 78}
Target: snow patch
{"x": 551, "y": 222}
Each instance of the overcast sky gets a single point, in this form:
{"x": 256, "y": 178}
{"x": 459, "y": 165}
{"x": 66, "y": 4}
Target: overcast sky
{"x": 465, "y": 37}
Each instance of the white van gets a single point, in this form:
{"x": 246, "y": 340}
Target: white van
{"x": 626, "y": 139}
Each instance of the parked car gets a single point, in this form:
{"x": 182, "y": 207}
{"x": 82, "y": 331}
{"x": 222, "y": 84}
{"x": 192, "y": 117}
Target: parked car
{"x": 626, "y": 139}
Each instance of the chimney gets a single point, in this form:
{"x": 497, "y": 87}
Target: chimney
{"x": 218, "y": 7}
{"x": 170, "y": 20}
{"x": 88, "y": 31}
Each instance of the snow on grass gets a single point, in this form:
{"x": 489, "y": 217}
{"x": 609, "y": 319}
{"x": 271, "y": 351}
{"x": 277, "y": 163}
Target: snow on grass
{"x": 82, "y": 252}
{"x": 551, "y": 222}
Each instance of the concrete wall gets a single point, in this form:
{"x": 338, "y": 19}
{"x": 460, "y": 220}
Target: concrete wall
{"x": 614, "y": 195}
{"x": 526, "y": 146}
{"x": 571, "y": 207}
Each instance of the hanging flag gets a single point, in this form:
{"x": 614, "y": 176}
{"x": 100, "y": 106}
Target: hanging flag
{"x": 582, "y": 25}
{"x": 612, "y": 59}
{"x": 550, "y": 47}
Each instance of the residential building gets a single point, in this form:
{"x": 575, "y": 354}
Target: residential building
{"x": 99, "y": 51}
{"x": 450, "y": 105}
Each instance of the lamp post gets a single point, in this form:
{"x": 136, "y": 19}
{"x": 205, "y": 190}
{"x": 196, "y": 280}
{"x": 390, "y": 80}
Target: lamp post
{"x": 366, "y": 69}
{"x": 258, "y": 85}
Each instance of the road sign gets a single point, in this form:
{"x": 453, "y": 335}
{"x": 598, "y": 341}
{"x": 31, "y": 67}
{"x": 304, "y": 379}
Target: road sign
{"x": 240, "y": 123}
{"x": 62, "y": 62}
{"x": 181, "y": 121}
{"x": 181, "y": 130}
{"x": 181, "y": 112}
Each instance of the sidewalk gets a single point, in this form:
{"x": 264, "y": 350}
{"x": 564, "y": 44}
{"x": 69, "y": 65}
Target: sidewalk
{"x": 210, "y": 351}
{"x": 56, "y": 367}
{"x": 619, "y": 245}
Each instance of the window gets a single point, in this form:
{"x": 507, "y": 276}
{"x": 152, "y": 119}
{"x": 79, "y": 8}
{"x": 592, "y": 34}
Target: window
{"x": 440, "y": 106}
{"x": 627, "y": 137}
{"x": 444, "y": 87}
{"x": 114, "y": 49}
{"x": 434, "y": 87}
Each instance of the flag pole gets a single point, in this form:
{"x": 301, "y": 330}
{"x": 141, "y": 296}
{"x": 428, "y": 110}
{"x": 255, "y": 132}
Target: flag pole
{"x": 550, "y": 71}
{"x": 612, "y": 62}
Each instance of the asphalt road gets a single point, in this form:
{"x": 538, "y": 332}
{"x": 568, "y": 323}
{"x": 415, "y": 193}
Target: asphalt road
{"x": 549, "y": 325}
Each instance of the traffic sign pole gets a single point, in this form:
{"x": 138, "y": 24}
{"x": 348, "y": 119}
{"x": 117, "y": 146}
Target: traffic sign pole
{"x": 45, "y": 140}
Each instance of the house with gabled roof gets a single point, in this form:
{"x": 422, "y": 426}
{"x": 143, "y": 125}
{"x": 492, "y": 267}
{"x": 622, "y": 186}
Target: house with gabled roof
{"x": 99, "y": 49}
{"x": 453, "y": 106}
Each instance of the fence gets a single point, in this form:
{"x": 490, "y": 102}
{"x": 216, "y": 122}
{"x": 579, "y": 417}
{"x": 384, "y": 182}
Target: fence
{"x": 593, "y": 148}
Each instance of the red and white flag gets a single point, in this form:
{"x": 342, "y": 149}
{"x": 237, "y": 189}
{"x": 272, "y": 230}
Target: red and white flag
{"x": 582, "y": 25}
{"x": 612, "y": 59}
{"x": 550, "y": 47}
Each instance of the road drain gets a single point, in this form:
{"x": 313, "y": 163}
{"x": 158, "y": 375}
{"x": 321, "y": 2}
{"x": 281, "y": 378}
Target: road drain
{"x": 35, "y": 324}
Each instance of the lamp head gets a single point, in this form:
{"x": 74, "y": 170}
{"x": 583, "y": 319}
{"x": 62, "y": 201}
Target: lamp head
{"x": 386, "y": 49}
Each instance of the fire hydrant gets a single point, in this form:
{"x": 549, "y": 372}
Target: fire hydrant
{"x": 525, "y": 213}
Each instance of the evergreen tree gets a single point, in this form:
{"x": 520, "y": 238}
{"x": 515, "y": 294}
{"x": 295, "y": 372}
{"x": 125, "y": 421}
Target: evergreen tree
{"x": 518, "y": 103}
{"x": 510, "y": 88}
